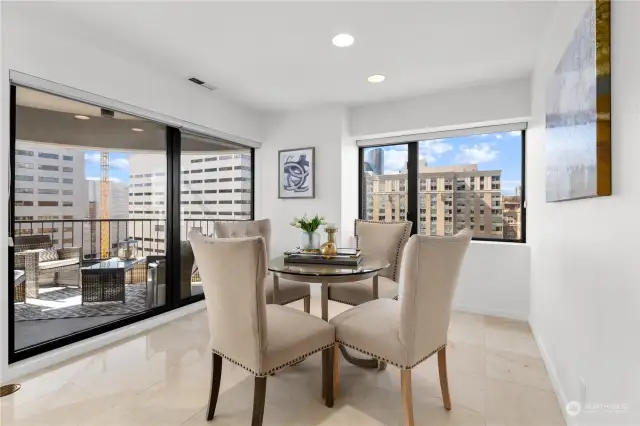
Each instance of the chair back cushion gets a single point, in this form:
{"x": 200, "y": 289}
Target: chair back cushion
{"x": 428, "y": 278}
{"x": 32, "y": 242}
{"x": 232, "y": 272}
{"x": 384, "y": 241}
{"x": 245, "y": 228}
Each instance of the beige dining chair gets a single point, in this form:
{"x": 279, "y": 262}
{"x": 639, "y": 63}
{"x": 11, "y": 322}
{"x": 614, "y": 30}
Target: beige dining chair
{"x": 406, "y": 332}
{"x": 380, "y": 240}
{"x": 258, "y": 337}
{"x": 278, "y": 290}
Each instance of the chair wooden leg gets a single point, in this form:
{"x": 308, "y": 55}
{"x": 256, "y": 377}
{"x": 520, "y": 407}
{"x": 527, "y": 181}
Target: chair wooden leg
{"x": 336, "y": 369}
{"x": 444, "y": 382}
{"x": 327, "y": 376}
{"x": 307, "y": 304}
{"x": 407, "y": 398}
{"x": 216, "y": 374}
{"x": 259, "y": 392}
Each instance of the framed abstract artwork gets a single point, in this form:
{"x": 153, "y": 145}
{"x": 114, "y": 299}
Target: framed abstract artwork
{"x": 296, "y": 173}
{"x": 578, "y": 112}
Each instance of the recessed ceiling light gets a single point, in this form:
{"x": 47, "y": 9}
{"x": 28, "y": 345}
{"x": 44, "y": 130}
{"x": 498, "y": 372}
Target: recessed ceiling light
{"x": 81, "y": 117}
{"x": 137, "y": 129}
{"x": 343, "y": 40}
{"x": 376, "y": 78}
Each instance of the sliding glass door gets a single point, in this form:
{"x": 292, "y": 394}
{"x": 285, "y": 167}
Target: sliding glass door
{"x": 98, "y": 222}
{"x": 215, "y": 185}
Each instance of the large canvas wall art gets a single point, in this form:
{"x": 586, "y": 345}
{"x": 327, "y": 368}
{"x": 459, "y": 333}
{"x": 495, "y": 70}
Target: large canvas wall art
{"x": 578, "y": 112}
{"x": 296, "y": 173}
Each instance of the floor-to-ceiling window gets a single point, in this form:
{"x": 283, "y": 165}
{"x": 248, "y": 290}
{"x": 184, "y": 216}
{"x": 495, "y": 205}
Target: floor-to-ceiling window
{"x": 99, "y": 228}
{"x": 215, "y": 185}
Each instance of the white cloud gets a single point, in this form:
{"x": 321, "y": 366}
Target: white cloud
{"x": 93, "y": 157}
{"x": 111, "y": 179}
{"x": 394, "y": 161}
{"x": 119, "y": 163}
{"x": 430, "y": 150}
{"x": 476, "y": 154}
{"x": 498, "y": 136}
{"x": 514, "y": 133}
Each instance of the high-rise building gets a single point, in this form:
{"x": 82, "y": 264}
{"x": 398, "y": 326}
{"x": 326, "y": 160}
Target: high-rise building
{"x": 118, "y": 208}
{"x": 49, "y": 186}
{"x": 213, "y": 186}
{"x": 512, "y": 205}
{"x": 449, "y": 199}
{"x": 374, "y": 160}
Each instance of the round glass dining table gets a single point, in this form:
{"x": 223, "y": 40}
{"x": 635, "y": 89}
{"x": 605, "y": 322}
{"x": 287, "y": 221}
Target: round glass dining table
{"x": 329, "y": 274}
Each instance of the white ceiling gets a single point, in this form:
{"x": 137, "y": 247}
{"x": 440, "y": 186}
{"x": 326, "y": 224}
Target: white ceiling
{"x": 280, "y": 56}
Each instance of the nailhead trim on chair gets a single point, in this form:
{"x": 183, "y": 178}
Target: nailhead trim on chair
{"x": 275, "y": 369}
{"x": 402, "y": 367}
{"x": 407, "y": 232}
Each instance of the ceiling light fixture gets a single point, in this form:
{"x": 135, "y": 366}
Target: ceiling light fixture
{"x": 81, "y": 117}
{"x": 376, "y": 78}
{"x": 343, "y": 40}
{"x": 137, "y": 129}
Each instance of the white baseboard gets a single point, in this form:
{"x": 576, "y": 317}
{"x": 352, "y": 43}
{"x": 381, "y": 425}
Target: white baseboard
{"x": 520, "y": 316}
{"x": 553, "y": 376}
{"x": 51, "y": 358}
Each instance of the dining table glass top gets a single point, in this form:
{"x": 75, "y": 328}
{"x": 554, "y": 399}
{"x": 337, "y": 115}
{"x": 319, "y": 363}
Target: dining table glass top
{"x": 366, "y": 266}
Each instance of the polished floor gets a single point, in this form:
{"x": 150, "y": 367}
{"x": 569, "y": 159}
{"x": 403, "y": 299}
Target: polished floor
{"x": 161, "y": 378}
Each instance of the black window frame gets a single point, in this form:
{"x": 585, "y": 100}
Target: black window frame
{"x": 412, "y": 192}
{"x": 171, "y": 227}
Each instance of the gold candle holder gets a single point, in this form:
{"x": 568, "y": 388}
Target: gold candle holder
{"x": 329, "y": 249}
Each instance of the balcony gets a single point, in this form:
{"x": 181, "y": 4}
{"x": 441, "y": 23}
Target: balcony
{"x": 45, "y": 303}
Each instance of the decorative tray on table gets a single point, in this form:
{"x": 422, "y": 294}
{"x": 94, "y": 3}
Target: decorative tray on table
{"x": 344, "y": 257}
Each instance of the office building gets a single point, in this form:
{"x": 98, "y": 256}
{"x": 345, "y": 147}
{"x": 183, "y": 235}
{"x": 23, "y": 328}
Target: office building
{"x": 450, "y": 199}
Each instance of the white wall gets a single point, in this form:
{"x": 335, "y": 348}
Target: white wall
{"x": 42, "y": 51}
{"x": 495, "y": 276}
{"x": 494, "y": 280}
{"x": 585, "y": 289}
{"x": 32, "y": 45}
{"x": 498, "y": 102}
{"x": 322, "y": 128}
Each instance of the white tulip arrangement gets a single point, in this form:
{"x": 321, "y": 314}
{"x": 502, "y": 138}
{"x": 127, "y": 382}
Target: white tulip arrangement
{"x": 308, "y": 224}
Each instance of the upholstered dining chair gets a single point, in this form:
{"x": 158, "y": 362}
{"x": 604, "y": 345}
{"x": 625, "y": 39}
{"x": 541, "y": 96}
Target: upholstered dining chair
{"x": 278, "y": 290}
{"x": 382, "y": 240}
{"x": 258, "y": 337}
{"x": 406, "y": 332}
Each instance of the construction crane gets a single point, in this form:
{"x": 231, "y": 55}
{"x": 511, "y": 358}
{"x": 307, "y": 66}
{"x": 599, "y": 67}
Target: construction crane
{"x": 105, "y": 252}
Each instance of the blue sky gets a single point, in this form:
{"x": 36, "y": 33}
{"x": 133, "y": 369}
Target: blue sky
{"x": 118, "y": 166}
{"x": 493, "y": 151}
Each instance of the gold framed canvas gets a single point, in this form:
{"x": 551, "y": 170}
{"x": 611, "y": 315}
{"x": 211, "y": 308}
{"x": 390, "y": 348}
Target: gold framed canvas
{"x": 578, "y": 112}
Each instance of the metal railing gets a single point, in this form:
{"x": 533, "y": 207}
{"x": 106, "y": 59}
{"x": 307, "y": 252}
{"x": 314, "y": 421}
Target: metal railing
{"x": 87, "y": 233}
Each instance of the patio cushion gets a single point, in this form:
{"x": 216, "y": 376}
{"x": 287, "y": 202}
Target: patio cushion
{"x": 58, "y": 263}
{"x": 48, "y": 255}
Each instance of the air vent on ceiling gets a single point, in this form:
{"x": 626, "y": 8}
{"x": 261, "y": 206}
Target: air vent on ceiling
{"x": 202, "y": 83}
{"x": 107, "y": 113}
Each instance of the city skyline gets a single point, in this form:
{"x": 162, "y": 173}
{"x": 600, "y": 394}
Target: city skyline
{"x": 491, "y": 151}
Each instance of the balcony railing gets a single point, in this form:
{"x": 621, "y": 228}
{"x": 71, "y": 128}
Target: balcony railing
{"x": 87, "y": 233}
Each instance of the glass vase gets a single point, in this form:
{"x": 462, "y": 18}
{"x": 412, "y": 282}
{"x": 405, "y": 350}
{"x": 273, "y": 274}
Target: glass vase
{"x": 309, "y": 240}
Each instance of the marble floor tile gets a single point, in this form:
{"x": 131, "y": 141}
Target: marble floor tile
{"x": 162, "y": 378}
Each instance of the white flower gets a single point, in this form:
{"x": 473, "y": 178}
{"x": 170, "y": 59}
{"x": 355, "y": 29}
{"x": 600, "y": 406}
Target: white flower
{"x": 297, "y": 225}
{"x": 321, "y": 218}
{"x": 293, "y": 223}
